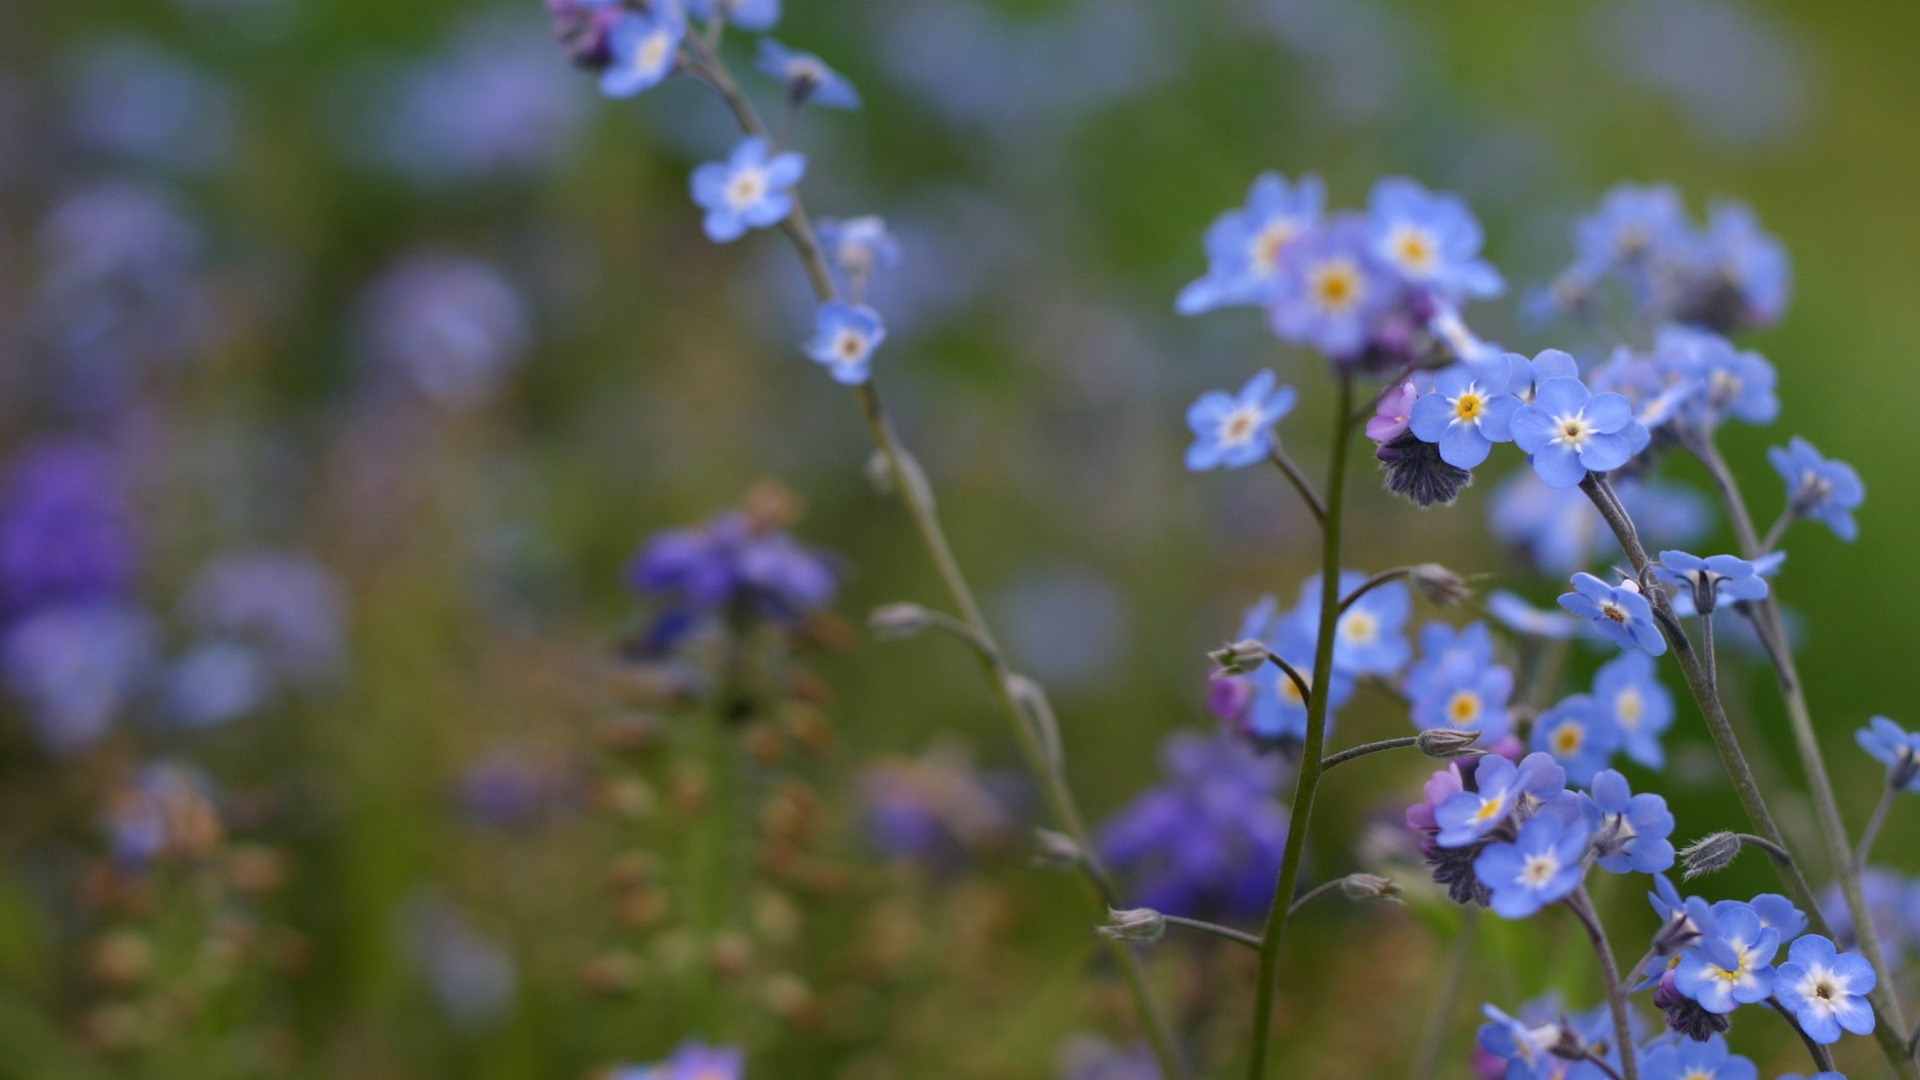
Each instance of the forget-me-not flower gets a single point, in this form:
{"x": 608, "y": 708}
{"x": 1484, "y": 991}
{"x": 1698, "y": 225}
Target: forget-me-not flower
{"x": 1619, "y": 612}
{"x": 1629, "y": 831}
{"x": 1689, "y": 1060}
{"x": 1826, "y": 990}
{"x": 856, "y": 248}
{"x": 1571, "y": 431}
{"x": 808, "y": 79}
{"x": 844, "y": 337}
{"x": 1543, "y": 865}
{"x": 1896, "y": 748}
{"x": 1627, "y": 690}
{"x": 1244, "y": 245}
{"x": 1578, "y": 734}
{"x": 1714, "y": 578}
{"x": 1432, "y": 239}
{"x": 1370, "y": 635}
{"x": 644, "y": 46}
{"x": 1732, "y": 966}
{"x": 1236, "y": 430}
{"x": 1825, "y": 490}
{"x": 1514, "y": 613}
{"x": 752, "y": 189}
{"x": 745, "y": 14}
{"x": 1466, "y": 697}
{"x": 1501, "y": 789}
{"x": 1329, "y": 290}
{"x": 1468, "y": 411}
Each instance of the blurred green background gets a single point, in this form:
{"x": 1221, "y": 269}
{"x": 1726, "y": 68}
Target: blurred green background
{"x": 1051, "y": 165}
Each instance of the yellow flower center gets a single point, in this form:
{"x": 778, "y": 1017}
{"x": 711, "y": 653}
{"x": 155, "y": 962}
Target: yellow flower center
{"x": 1415, "y": 250}
{"x": 1336, "y": 285}
{"x": 1568, "y": 738}
{"x": 1359, "y": 628}
{"x": 1264, "y": 250}
{"x": 1629, "y": 708}
{"x": 1469, "y": 405}
{"x": 1464, "y": 709}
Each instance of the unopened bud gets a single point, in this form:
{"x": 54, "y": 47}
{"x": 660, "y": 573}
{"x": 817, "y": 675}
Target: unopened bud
{"x": 1446, "y": 742}
{"x": 1134, "y": 924}
{"x": 1905, "y": 768}
{"x": 1440, "y": 585}
{"x": 1709, "y": 854}
{"x": 1055, "y": 851}
{"x": 1239, "y": 658}
{"x": 897, "y": 622}
{"x": 1370, "y": 887}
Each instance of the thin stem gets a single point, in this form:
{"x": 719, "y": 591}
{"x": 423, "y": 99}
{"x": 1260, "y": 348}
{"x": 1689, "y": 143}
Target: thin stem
{"x": 1706, "y": 650}
{"x": 1891, "y": 1031}
{"x": 1582, "y": 906}
{"x": 1240, "y": 937}
{"x": 1309, "y": 780}
{"x": 1315, "y": 893}
{"x": 1604, "y": 1065}
{"x": 1299, "y": 681}
{"x": 1822, "y": 1057}
{"x": 1368, "y": 748}
{"x": 1872, "y": 831}
{"x": 909, "y": 481}
{"x": 1778, "y": 531}
{"x": 1446, "y": 998}
{"x": 1372, "y": 583}
{"x": 1300, "y": 484}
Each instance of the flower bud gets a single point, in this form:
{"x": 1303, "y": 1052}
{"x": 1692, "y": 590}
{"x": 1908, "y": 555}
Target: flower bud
{"x": 1446, "y": 742}
{"x": 1239, "y": 658}
{"x": 1370, "y": 887}
{"x": 1906, "y": 767}
{"x": 1440, "y": 585}
{"x": 1135, "y": 924}
{"x": 1710, "y": 854}
{"x": 897, "y": 622}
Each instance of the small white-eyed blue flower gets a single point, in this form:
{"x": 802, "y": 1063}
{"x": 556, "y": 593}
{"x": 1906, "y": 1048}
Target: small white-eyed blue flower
{"x": 1732, "y": 966}
{"x": 1571, "y": 431}
{"x": 844, "y": 337}
{"x": 1236, "y": 430}
{"x": 752, "y": 189}
{"x": 1432, "y": 239}
{"x": 1244, "y": 245}
{"x": 1712, "y": 579}
{"x": 1824, "y": 490}
{"x": 1689, "y": 1060}
{"x": 1619, "y": 612}
{"x": 1543, "y": 865}
{"x": 1466, "y": 413}
{"x": 808, "y": 79}
{"x": 1330, "y": 289}
{"x": 1826, "y": 989}
{"x": 857, "y": 248}
{"x": 644, "y": 47}
{"x": 1630, "y": 832}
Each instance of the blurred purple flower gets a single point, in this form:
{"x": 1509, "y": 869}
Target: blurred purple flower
{"x": 935, "y": 810}
{"x": 734, "y": 564}
{"x": 289, "y": 606}
{"x": 76, "y": 667}
{"x": 130, "y": 101}
{"x": 66, "y": 531}
{"x": 508, "y": 790}
{"x": 473, "y": 976}
{"x": 448, "y": 325}
{"x": 167, "y": 809}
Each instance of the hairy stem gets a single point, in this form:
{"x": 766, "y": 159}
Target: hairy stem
{"x": 1582, "y": 906}
{"x": 706, "y": 65}
{"x": 1310, "y": 766}
{"x": 1367, "y": 748}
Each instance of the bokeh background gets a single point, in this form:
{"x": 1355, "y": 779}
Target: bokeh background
{"x": 382, "y": 304}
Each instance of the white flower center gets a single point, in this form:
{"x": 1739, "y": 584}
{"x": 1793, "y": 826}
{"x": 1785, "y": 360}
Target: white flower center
{"x": 653, "y": 53}
{"x": 1573, "y": 431}
{"x": 849, "y": 346}
{"x": 1629, "y": 708}
{"x": 1359, "y": 628}
{"x": 1238, "y": 427}
{"x": 1539, "y": 870}
{"x": 746, "y": 187}
{"x": 1822, "y": 989}
{"x": 1263, "y": 251}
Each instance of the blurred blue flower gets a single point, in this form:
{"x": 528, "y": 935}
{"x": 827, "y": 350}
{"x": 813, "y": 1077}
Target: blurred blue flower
{"x": 750, "y": 190}
{"x": 1433, "y": 240}
{"x": 287, "y": 605}
{"x": 77, "y": 667}
{"x": 745, "y": 14}
{"x": 133, "y": 102}
{"x": 472, "y": 975}
{"x": 1236, "y": 430}
{"x": 809, "y": 81}
{"x": 844, "y": 337}
{"x": 1208, "y": 839}
{"x": 1466, "y": 697}
{"x": 1089, "y": 1057}
{"x": 856, "y": 248}
{"x": 693, "y": 1061}
{"x": 166, "y": 810}
{"x": 935, "y": 810}
{"x": 1690, "y": 1060}
{"x": 67, "y": 533}
{"x": 643, "y": 47}
{"x": 1244, "y": 246}
{"x": 1330, "y": 289}
{"x": 1370, "y": 635}
{"x": 448, "y": 326}
{"x": 216, "y": 682}
{"x": 1896, "y": 748}
{"x": 1515, "y": 614}
{"x": 1628, "y": 693}
{"x": 1825, "y": 490}
{"x": 1579, "y": 735}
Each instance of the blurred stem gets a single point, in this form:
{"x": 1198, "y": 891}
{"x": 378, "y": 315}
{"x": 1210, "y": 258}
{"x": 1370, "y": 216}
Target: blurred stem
{"x": 1892, "y": 1031}
{"x": 1224, "y": 933}
{"x": 1310, "y": 757}
{"x": 1300, "y": 484}
{"x": 1372, "y": 583}
{"x": 1872, "y": 831}
{"x": 1581, "y": 905}
{"x": 713, "y": 854}
{"x": 911, "y": 486}
{"x": 1446, "y": 998}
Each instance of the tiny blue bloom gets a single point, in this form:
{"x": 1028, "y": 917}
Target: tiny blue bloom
{"x": 1579, "y": 735}
{"x": 1629, "y": 831}
{"x": 1689, "y": 1060}
{"x": 1465, "y": 697}
{"x": 1467, "y": 412}
{"x": 1752, "y": 262}
{"x": 1501, "y": 788}
{"x": 1716, "y": 577}
{"x": 857, "y": 247}
{"x": 751, "y": 189}
{"x": 1540, "y": 867}
{"x": 1244, "y": 246}
{"x": 1779, "y": 913}
{"x": 1633, "y": 225}
{"x": 1369, "y": 637}
{"x": 808, "y": 79}
{"x": 1571, "y": 431}
{"x": 1523, "y": 618}
{"x": 1710, "y": 380}
{"x": 1431, "y": 239}
{"x": 1896, "y": 748}
{"x": 1627, "y": 690}
{"x": 1734, "y": 965}
{"x": 1526, "y": 1048}
{"x": 1824, "y": 490}
{"x": 844, "y": 337}
{"x": 1619, "y": 612}
{"x": 1826, "y": 990}
{"x": 1236, "y": 430}
{"x": 1329, "y": 290}
{"x": 644, "y": 46}
{"x": 1444, "y": 649}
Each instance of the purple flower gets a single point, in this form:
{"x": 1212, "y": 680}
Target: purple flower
{"x": 752, "y": 189}
{"x": 449, "y": 325}
{"x": 1393, "y": 413}
{"x": 1571, "y": 431}
{"x": 733, "y": 564}
{"x": 66, "y": 531}
{"x": 694, "y": 1061}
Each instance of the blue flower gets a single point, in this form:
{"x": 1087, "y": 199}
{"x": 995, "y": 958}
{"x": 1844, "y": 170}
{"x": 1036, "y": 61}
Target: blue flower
{"x": 1896, "y": 748}
{"x": 1826, "y": 491}
{"x": 1465, "y": 697}
{"x": 1752, "y": 263}
{"x": 856, "y": 248}
{"x": 1734, "y": 965}
{"x": 1207, "y": 841}
{"x": 1826, "y": 991}
{"x": 1571, "y": 431}
{"x": 1467, "y": 412}
{"x": 1627, "y": 690}
{"x": 1579, "y": 735}
{"x": 1711, "y": 579}
{"x": 1244, "y": 246}
{"x": 644, "y": 47}
{"x": 1710, "y": 380}
{"x": 1501, "y": 789}
{"x": 1277, "y": 714}
{"x": 1329, "y": 290}
{"x": 750, "y": 190}
{"x": 844, "y": 337}
{"x": 1444, "y": 649}
{"x": 808, "y": 79}
{"x": 1432, "y": 240}
{"x": 78, "y": 667}
{"x": 1779, "y": 913}
{"x": 694, "y": 1061}
{"x": 1369, "y": 637}
{"x": 1634, "y": 226}
{"x": 1234, "y": 431}
{"x": 1543, "y": 865}
{"x": 1521, "y": 617}
{"x": 745, "y": 14}
{"x": 1689, "y": 1060}
{"x": 1619, "y": 612}
{"x": 1629, "y": 831}
{"x": 1526, "y": 1048}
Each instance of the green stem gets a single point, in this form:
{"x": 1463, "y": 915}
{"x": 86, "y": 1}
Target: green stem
{"x": 1368, "y": 748}
{"x": 911, "y": 485}
{"x": 1310, "y": 758}
{"x": 1582, "y": 906}
{"x": 1872, "y": 831}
